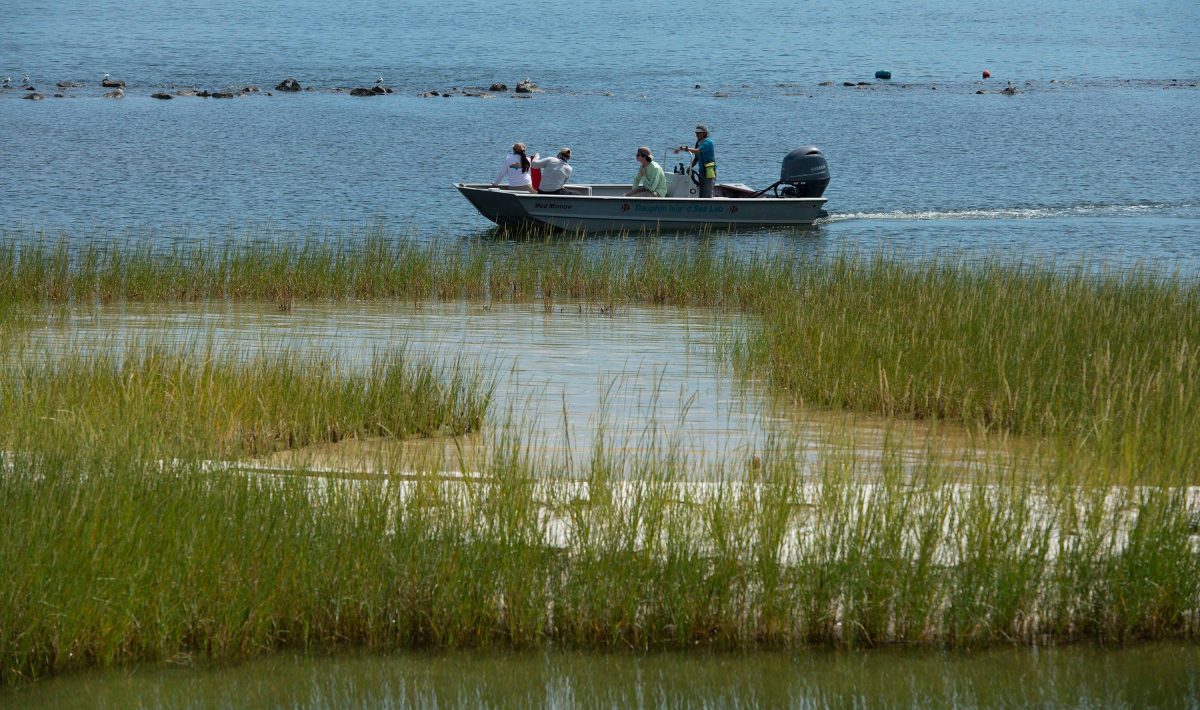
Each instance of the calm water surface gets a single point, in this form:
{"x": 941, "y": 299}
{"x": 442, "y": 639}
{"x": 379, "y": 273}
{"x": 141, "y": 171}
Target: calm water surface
{"x": 1099, "y": 164}
{"x": 1158, "y": 676}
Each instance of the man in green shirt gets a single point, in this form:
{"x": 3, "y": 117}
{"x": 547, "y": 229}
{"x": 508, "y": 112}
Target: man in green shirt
{"x": 650, "y": 180}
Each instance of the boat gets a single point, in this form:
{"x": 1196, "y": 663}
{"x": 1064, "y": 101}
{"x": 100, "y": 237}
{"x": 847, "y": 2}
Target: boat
{"x": 794, "y": 200}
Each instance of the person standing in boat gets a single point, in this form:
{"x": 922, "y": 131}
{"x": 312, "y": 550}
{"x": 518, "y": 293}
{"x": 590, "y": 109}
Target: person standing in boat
{"x": 704, "y": 159}
{"x": 650, "y": 180}
{"x": 516, "y": 168}
{"x": 555, "y": 172}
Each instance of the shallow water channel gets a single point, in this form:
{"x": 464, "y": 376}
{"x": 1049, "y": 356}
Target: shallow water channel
{"x": 640, "y": 377}
{"x": 1153, "y": 676}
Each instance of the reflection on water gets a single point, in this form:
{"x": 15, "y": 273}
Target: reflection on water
{"x": 641, "y": 376}
{"x": 1165, "y": 676}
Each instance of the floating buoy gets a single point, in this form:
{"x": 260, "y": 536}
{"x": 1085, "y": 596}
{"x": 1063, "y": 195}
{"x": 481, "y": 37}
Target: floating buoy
{"x": 987, "y": 74}
{"x": 883, "y": 74}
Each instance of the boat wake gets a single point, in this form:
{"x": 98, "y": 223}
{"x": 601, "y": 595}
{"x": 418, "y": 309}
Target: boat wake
{"x": 1014, "y": 213}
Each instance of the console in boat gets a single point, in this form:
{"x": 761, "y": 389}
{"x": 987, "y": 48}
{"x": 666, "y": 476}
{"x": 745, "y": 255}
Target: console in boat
{"x": 794, "y": 200}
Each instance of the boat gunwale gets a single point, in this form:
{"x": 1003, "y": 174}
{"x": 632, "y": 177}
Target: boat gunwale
{"x": 491, "y": 189}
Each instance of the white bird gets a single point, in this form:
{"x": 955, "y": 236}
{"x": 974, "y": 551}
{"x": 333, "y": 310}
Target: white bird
{"x": 25, "y": 79}
{"x": 379, "y": 80}
{"x": 7, "y": 80}
{"x": 105, "y": 76}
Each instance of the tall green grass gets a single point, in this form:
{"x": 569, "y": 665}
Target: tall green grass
{"x": 1104, "y": 361}
{"x": 202, "y": 402}
{"x": 119, "y": 542}
{"x": 1108, "y": 362}
{"x": 112, "y": 558}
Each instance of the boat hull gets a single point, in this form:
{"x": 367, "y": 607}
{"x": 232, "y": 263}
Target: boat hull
{"x": 613, "y": 212}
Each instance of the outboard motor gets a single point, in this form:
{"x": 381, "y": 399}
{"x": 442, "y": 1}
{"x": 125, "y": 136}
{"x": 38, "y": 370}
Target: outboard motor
{"x": 804, "y": 174}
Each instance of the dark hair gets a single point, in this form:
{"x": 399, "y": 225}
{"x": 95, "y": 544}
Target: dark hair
{"x": 520, "y": 150}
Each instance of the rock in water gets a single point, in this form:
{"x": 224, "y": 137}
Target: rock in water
{"x": 67, "y": 85}
{"x": 525, "y": 86}
{"x": 118, "y": 93}
{"x": 360, "y": 91}
{"x": 498, "y": 87}
{"x": 883, "y": 74}
{"x": 381, "y": 89}
{"x": 222, "y": 95}
{"x": 288, "y": 84}
{"x": 112, "y": 84}
{"x": 35, "y": 96}
{"x": 160, "y": 95}
{"x": 1010, "y": 91}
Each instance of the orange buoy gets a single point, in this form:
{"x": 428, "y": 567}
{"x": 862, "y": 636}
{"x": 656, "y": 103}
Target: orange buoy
{"x": 987, "y": 74}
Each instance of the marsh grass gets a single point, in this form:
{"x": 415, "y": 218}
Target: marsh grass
{"x": 120, "y": 542}
{"x": 199, "y": 401}
{"x": 1105, "y": 361}
{"x": 112, "y": 558}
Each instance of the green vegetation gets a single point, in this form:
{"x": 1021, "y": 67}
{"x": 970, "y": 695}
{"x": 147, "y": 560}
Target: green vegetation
{"x": 119, "y": 542}
{"x": 1106, "y": 362}
{"x": 204, "y": 403}
{"x": 109, "y": 558}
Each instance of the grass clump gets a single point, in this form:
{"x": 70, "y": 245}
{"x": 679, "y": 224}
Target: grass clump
{"x": 1108, "y": 363}
{"x": 201, "y": 403}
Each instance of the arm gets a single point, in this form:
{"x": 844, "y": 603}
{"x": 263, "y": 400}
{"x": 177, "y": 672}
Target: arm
{"x": 659, "y": 183}
{"x": 503, "y": 171}
{"x": 539, "y": 162}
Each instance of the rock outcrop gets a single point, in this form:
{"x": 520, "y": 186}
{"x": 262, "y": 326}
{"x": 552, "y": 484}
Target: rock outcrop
{"x": 288, "y": 84}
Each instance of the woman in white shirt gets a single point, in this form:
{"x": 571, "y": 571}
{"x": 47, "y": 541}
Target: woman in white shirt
{"x": 516, "y": 169}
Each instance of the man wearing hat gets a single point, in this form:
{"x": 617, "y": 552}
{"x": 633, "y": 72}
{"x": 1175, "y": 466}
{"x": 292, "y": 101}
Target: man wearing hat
{"x": 704, "y": 159}
{"x": 555, "y": 172}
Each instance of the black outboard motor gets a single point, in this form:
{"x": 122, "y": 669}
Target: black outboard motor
{"x": 804, "y": 174}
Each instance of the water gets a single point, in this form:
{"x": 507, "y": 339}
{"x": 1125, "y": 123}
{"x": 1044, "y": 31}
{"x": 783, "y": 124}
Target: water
{"x": 643, "y": 377}
{"x": 1100, "y": 164}
{"x": 1156, "y": 676}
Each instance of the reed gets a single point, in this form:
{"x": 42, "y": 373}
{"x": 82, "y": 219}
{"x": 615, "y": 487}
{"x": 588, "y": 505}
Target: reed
{"x": 1105, "y": 361}
{"x": 201, "y": 402}
{"x": 121, "y": 542}
{"x": 110, "y": 558}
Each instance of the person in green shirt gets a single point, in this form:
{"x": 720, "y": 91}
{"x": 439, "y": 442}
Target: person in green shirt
{"x": 650, "y": 180}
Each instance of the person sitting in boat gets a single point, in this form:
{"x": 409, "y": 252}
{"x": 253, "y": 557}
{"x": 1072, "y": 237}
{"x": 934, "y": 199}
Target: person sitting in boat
{"x": 516, "y": 169}
{"x": 650, "y": 180}
{"x": 555, "y": 172}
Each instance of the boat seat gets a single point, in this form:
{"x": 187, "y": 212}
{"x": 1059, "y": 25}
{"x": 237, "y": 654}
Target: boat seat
{"x": 578, "y": 189}
{"x": 680, "y": 186}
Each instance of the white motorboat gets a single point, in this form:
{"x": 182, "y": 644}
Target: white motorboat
{"x": 794, "y": 200}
